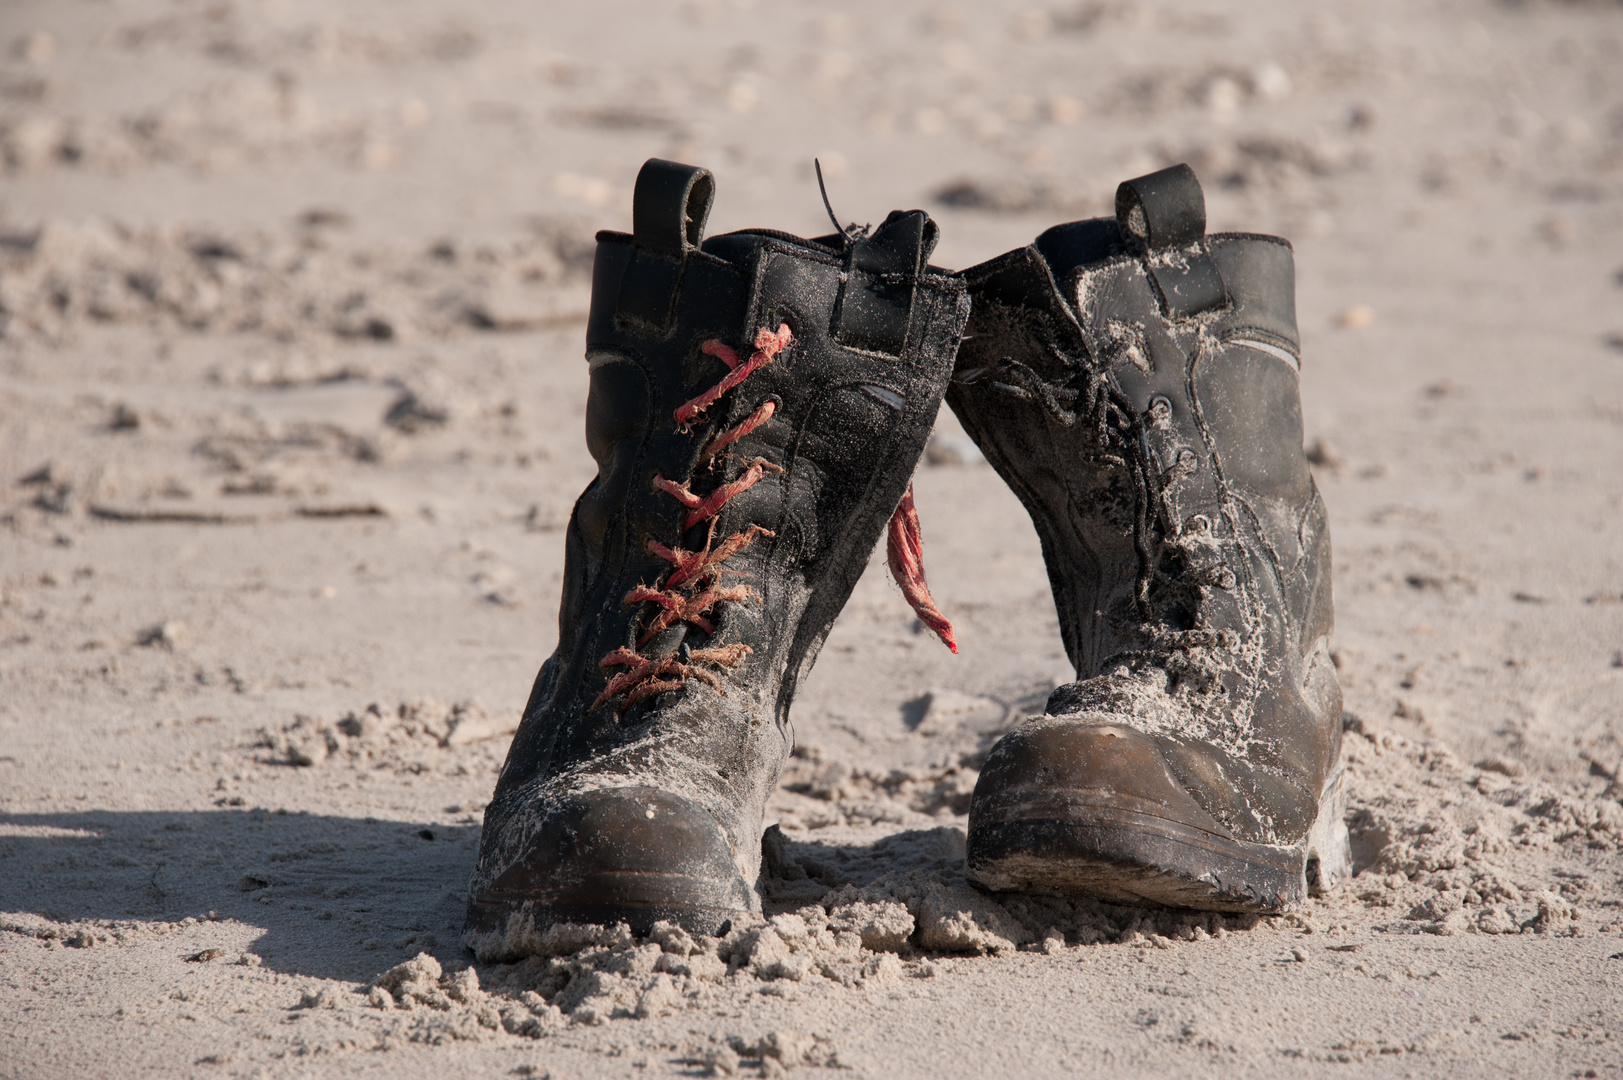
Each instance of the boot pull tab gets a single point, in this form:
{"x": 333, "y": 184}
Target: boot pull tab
{"x": 1163, "y": 209}
{"x": 669, "y": 208}
{"x": 876, "y": 298}
{"x": 668, "y": 213}
{"x": 1165, "y": 212}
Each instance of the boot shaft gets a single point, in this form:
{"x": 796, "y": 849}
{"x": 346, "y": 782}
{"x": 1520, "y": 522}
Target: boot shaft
{"x": 1135, "y": 381}
{"x": 758, "y": 404}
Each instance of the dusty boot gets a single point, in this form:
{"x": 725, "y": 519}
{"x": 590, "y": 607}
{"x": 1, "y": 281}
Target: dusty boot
{"x": 758, "y": 405}
{"x": 1135, "y": 382}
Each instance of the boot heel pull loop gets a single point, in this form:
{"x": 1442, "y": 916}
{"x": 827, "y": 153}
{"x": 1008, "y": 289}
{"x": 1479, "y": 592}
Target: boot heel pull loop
{"x": 1166, "y": 211}
{"x": 670, "y": 205}
{"x": 668, "y": 213}
{"x": 1163, "y": 209}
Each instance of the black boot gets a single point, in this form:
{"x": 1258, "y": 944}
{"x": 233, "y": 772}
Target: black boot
{"x": 1135, "y": 382}
{"x": 758, "y": 405}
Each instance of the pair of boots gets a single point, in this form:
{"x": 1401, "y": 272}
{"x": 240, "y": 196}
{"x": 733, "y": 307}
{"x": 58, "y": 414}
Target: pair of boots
{"x": 758, "y": 405}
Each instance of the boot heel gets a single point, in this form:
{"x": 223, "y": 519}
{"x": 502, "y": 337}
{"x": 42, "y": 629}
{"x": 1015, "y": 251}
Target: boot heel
{"x": 1329, "y": 851}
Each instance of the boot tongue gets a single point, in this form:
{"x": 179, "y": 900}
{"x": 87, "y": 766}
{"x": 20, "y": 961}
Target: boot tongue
{"x": 876, "y": 304}
{"x": 667, "y": 642}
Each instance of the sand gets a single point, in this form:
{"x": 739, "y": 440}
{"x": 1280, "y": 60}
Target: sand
{"x": 291, "y": 301}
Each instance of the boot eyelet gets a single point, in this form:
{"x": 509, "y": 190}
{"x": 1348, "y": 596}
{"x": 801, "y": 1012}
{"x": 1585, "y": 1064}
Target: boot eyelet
{"x": 1160, "y": 409}
{"x": 1198, "y": 523}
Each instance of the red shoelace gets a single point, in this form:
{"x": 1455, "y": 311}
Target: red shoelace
{"x": 691, "y": 590}
{"x": 905, "y": 554}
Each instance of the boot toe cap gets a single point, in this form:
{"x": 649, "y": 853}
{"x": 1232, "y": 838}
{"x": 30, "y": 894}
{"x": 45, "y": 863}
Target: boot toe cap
{"x": 633, "y": 855}
{"x": 1084, "y": 770}
{"x": 1087, "y": 806}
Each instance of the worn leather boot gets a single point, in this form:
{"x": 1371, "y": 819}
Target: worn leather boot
{"x": 1135, "y": 382}
{"x": 758, "y": 405}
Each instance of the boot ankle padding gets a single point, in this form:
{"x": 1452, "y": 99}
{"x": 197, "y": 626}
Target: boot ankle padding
{"x": 1260, "y": 274}
{"x": 1251, "y": 409}
{"x": 1257, "y": 273}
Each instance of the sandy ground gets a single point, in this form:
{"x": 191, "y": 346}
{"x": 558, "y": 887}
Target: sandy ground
{"x": 290, "y": 393}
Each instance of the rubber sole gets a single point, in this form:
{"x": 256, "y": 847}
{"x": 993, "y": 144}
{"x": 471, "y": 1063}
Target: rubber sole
{"x": 1063, "y": 847}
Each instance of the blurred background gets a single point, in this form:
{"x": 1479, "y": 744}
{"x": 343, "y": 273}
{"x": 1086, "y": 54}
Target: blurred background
{"x": 275, "y": 259}
{"x": 418, "y": 119}
{"x": 286, "y": 251}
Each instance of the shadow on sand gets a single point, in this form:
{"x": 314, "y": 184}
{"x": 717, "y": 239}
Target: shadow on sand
{"x": 335, "y": 897}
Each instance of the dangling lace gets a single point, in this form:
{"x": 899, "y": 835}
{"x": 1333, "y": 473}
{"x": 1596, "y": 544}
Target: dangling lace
{"x": 905, "y": 554}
